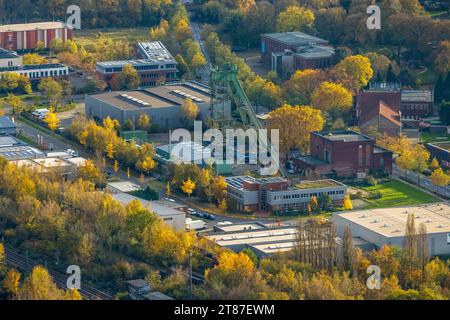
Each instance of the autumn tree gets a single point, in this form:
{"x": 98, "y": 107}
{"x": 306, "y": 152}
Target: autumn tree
{"x": 423, "y": 253}
{"x": 39, "y": 285}
{"x": 198, "y": 61}
{"x": 128, "y": 79}
{"x": 348, "y": 202}
{"x": 295, "y": 124}
{"x": 299, "y": 88}
{"x": 188, "y": 187}
{"x": 11, "y": 282}
{"x": 353, "y": 72}
{"x": 168, "y": 190}
{"x": 33, "y": 58}
{"x": 52, "y": 120}
{"x": 440, "y": 178}
{"x": 190, "y": 109}
{"x": 52, "y": 90}
{"x": 2, "y": 255}
{"x": 15, "y": 103}
{"x": 143, "y": 122}
{"x": 331, "y": 96}
{"x": 295, "y": 18}
{"x": 410, "y": 248}
{"x": 442, "y": 61}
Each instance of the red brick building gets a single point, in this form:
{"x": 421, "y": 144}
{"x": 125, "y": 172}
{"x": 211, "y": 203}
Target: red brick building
{"x": 26, "y": 36}
{"x": 414, "y": 104}
{"x": 344, "y": 153}
{"x": 290, "y": 51}
{"x": 378, "y": 112}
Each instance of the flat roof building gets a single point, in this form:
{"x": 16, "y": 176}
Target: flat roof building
{"x": 12, "y": 149}
{"x": 415, "y": 104}
{"x": 155, "y": 65}
{"x": 343, "y": 153}
{"x": 172, "y": 217}
{"x": 7, "y": 126}
{"x": 9, "y": 59}
{"x": 26, "y": 36}
{"x": 273, "y": 194}
{"x": 287, "y": 52}
{"x": 388, "y": 226}
{"x": 262, "y": 240}
{"x": 161, "y": 103}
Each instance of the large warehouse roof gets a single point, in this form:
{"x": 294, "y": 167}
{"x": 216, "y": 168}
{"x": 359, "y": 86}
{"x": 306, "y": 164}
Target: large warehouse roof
{"x": 391, "y": 222}
{"x": 156, "y": 97}
{"x": 32, "y": 26}
{"x": 295, "y": 38}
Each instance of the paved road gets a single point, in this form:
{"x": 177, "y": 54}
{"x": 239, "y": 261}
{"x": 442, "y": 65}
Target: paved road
{"x": 205, "y": 71}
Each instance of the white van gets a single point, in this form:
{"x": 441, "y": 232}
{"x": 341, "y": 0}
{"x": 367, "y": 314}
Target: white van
{"x": 41, "y": 113}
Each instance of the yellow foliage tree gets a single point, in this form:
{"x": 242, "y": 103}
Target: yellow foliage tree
{"x": 354, "y": 72}
{"x": 188, "y": 187}
{"x": 295, "y": 124}
{"x": 52, "y": 120}
{"x": 116, "y": 166}
{"x": 440, "y": 178}
{"x": 110, "y": 150}
{"x": 295, "y": 18}
{"x": 11, "y": 282}
{"x": 190, "y": 109}
{"x": 331, "y": 95}
{"x": 40, "y": 286}
{"x": 168, "y": 190}
{"x": 348, "y": 203}
{"x": 434, "y": 164}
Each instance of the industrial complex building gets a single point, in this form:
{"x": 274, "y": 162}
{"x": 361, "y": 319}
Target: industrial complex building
{"x": 10, "y": 61}
{"x": 290, "y": 51}
{"x": 26, "y": 36}
{"x": 387, "y": 226}
{"x": 161, "y": 103}
{"x": 12, "y": 149}
{"x": 273, "y": 194}
{"x": 344, "y": 153}
{"x": 263, "y": 240}
{"x": 155, "y": 65}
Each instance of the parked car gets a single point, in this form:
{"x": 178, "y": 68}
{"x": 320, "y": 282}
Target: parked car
{"x": 40, "y": 113}
{"x": 209, "y": 216}
{"x": 72, "y": 152}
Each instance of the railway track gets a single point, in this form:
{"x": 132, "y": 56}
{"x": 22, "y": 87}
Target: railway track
{"x": 15, "y": 259}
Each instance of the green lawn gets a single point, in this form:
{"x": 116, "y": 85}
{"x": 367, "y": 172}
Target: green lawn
{"x": 428, "y": 137}
{"x": 397, "y": 193}
{"x": 87, "y": 37}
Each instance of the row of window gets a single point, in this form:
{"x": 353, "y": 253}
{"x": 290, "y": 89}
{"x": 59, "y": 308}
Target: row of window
{"x": 308, "y": 195}
{"x": 42, "y": 74}
{"x": 416, "y": 107}
{"x": 142, "y": 68}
